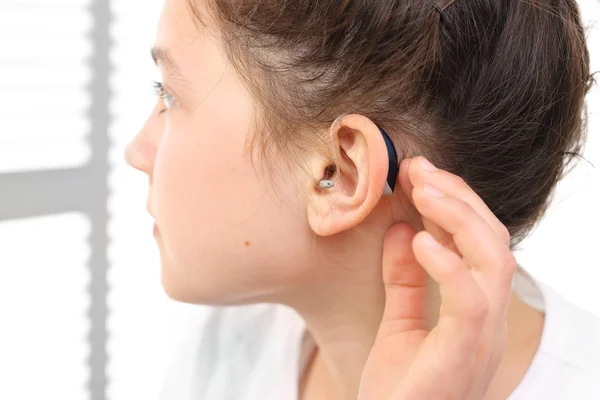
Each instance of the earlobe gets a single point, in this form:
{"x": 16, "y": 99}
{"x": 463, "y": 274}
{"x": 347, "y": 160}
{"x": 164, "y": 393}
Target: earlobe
{"x": 358, "y": 157}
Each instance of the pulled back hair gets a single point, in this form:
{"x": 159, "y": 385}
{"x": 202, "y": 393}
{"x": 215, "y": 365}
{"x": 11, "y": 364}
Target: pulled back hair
{"x": 492, "y": 90}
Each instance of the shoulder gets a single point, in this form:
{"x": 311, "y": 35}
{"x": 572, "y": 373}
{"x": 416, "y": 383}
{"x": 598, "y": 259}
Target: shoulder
{"x": 229, "y": 351}
{"x": 567, "y": 364}
{"x": 573, "y": 334}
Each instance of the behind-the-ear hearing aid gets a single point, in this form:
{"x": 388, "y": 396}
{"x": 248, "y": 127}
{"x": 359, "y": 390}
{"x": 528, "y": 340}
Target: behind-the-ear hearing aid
{"x": 392, "y": 160}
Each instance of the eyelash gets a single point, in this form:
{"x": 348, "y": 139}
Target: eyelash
{"x": 166, "y": 97}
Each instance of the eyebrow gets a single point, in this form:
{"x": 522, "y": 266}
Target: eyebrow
{"x": 162, "y": 56}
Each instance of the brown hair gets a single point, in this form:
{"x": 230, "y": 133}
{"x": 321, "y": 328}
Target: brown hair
{"x": 492, "y": 91}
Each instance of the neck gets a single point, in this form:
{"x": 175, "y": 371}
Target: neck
{"x": 343, "y": 313}
{"x": 342, "y": 309}
{"x": 343, "y": 325}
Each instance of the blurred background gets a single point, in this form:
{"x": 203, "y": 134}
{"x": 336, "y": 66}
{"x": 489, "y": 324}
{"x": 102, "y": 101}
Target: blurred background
{"x": 82, "y": 312}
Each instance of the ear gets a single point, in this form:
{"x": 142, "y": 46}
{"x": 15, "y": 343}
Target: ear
{"x": 360, "y": 175}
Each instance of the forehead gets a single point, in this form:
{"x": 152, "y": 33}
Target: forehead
{"x": 192, "y": 46}
{"x": 176, "y": 22}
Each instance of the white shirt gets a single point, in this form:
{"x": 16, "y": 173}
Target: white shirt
{"x": 258, "y": 352}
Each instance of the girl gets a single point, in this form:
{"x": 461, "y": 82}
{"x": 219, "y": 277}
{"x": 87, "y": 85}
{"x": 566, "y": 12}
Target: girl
{"x": 272, "y": 155}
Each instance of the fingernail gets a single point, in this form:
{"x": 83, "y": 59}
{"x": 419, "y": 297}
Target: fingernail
{"x": 431, "y": 242}
{"x": 426, "y": 165}
{"x": 433, "y": 191}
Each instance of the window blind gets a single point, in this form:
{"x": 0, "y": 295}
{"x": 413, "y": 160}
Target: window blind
{"x": 45, "y": 53}
{"x": 44, "y": 72}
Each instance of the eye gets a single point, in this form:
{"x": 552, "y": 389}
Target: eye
{"x": 166, "y": 97}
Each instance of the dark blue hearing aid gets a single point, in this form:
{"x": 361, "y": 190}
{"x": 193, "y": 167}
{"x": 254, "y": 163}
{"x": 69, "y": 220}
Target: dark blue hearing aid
{"x": 392, "y": 167}
{"x": 393, "y": 164}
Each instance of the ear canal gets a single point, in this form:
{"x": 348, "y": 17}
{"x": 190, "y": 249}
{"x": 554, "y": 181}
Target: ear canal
{"x": 327, "y": 183}
{"x": 330, "y": 171}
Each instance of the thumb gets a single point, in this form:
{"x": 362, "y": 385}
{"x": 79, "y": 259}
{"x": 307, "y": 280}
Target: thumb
{"x": 405, "y": 283}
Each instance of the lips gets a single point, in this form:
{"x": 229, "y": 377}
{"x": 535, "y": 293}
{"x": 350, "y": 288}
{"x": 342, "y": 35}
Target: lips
{"x": 149, "y": 208}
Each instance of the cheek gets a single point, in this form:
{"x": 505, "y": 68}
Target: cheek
{"x": 205, "y": 194}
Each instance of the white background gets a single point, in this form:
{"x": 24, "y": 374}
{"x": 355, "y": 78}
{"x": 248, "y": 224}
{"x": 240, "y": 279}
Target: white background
{"x": 43, "y": 273}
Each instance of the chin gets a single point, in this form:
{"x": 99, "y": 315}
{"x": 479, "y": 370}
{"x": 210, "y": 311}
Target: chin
{"x": 181, "y": 291}
{"x": 184, "y": 291}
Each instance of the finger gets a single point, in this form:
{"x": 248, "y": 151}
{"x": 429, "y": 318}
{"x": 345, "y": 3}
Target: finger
{"x": 464, "y": 306}
{"x": 403, "y": 200}
{"x": 443, "y": 237}
{"x": 407, "y": 187}
{"x": 421, "y": 171}
{"x": 475, "y": 239}
{"x": 405, "y": 282}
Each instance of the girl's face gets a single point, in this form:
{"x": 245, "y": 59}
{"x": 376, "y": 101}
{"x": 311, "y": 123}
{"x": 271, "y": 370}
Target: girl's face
{"x": 217, "y": 216}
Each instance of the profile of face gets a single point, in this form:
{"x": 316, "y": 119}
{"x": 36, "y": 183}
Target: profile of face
{"x": 231, "y": 230}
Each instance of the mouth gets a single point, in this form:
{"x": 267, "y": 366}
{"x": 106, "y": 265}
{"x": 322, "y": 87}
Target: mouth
{"x": 148, "y": 208}
{"x": 155, "y": 230}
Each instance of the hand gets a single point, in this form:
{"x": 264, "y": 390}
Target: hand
{"x": 459, "y": 357}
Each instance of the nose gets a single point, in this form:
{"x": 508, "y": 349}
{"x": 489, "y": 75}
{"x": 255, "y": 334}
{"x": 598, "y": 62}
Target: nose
{"x": 140, "y": 154}
{"x": 141, "y": 151}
